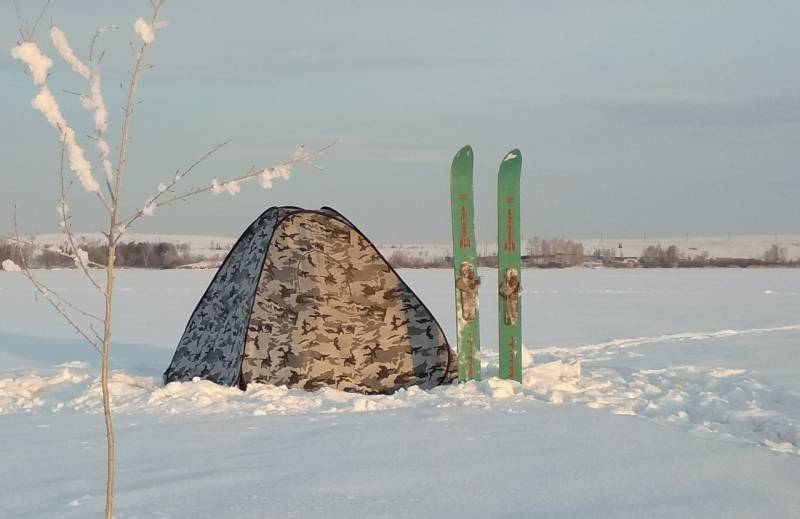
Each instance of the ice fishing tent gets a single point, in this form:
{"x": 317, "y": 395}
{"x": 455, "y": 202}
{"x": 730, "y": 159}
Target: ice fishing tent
{"x": 305, "y": 300}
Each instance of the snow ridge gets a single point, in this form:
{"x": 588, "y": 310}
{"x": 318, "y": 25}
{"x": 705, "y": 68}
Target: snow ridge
{"x": 591, "y": 351}
{"x": 719, "y": 403}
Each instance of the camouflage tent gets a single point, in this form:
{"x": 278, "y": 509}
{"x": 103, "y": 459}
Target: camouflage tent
{"x": 305, "y": 300}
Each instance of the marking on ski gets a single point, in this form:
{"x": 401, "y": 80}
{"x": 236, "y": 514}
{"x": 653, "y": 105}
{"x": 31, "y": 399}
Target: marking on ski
{"x": 510, "y": 244}
{"x": 470, "y": 358}
{"x": 511, "y": 354}
{"x": 465, "y": 241}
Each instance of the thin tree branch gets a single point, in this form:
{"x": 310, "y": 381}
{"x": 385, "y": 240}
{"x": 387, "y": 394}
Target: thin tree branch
{"x": 68, "y": 229}
{"x": 39, "y": 18}
{"x": 94, "y": 332}
{"x": 252, "y": 173}
{"x": 23, "y": 26}
{"x": 46, "y": 292}
{"x": 123, "y": 148}
{"x": 100, "y": 31}
{"x": 178, "y": 176}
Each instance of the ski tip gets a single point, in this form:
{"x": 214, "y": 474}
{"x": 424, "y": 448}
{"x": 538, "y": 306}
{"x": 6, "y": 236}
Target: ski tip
{"x": 514, "y": 154}
{"x": 465, "y": 151}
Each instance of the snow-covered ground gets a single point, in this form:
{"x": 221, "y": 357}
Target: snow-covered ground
{"x": 647, "y": 393}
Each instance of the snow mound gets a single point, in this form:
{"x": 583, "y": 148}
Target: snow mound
{"x": 27, "y": 393}
{"x": 716, "y": 402}
{"x": 10, "y": 266}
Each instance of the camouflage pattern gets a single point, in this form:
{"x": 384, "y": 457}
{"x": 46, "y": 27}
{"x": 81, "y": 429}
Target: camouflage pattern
{"x": 304, "y": 300}
{"x": 210, "y": 347}
{"x": 329, "y": 311}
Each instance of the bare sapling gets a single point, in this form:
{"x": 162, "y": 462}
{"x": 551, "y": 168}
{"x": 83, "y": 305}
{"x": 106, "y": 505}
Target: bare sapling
{"x": 96, "y": 327}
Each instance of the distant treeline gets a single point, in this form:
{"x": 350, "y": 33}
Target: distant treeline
{"x": 562, "y": 253}
{"x": 161, "y": 255}
{"x": 538, "y": 253}
{"x": 656, "y": 256}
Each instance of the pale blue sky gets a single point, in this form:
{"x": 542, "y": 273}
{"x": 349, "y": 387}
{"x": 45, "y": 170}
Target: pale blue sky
{"x": 633, "y": 117}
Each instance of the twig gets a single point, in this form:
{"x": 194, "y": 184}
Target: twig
{"x": 46, "y": 292}
{"x": 100, "y": 31}
{"x": 68, "y": 230}
{"x": 39, "y": 18}
{"x": 175, "y": 179}
{"x": 123, "y": 148}
{"x": 251, "y": 174}
{"x": 22, "y": 32}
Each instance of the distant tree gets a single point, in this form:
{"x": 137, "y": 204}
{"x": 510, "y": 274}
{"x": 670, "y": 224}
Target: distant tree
{"x": 656, "y": 256}
{"x": 603, "y": 252}
{"x": 671, "y": 256}
{"x": 555, "y": 252}
{"x": 651, "y": 256}
{"x": 775, "y": 254}
{"x": 54, "y": 258}
{"x": 19, "y": 253}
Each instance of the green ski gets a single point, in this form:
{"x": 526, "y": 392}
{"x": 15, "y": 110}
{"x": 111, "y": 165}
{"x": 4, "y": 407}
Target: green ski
{"x": 465, "y": 266}
{"x": 509, "y": 272}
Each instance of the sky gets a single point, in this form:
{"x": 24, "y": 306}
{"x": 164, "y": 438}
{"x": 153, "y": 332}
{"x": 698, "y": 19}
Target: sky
{"x": 633, "y": 117}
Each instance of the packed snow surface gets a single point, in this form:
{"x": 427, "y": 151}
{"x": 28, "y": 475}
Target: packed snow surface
{"x": 645, "y": 393}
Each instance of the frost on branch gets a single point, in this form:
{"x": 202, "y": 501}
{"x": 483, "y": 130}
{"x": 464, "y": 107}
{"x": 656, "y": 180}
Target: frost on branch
{"x": 231, "y": 187}
{"x": 38, "y": 64}
{"x": 93, "y": 102}
{"x": 146, "y": 31}
{"x": 47, "y": 105}
{"x": 149, "y": 207}
{"x": 267, "y": 175}
{"x": 65, "y": 51}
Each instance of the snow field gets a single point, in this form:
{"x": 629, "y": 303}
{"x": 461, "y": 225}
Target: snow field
{"x": 644, "y": 394}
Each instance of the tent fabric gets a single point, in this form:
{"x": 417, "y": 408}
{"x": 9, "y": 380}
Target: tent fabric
{"x": 305, "y": 300}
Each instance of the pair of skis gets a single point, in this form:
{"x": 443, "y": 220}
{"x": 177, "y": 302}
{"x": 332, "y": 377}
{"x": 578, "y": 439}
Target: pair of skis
{"x": 466, "y": 266}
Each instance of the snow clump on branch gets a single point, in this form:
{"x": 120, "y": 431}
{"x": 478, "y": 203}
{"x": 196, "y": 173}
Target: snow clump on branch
{"x": 65, "y": 51}
{"x": 38, "y": 64}
{"x": 47, "y": 105}
{"x": 149, "y": 207}
{"x": 93, "y": 102}
{"x": 269, "y": 174}
{"x": 146, "y": 31}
